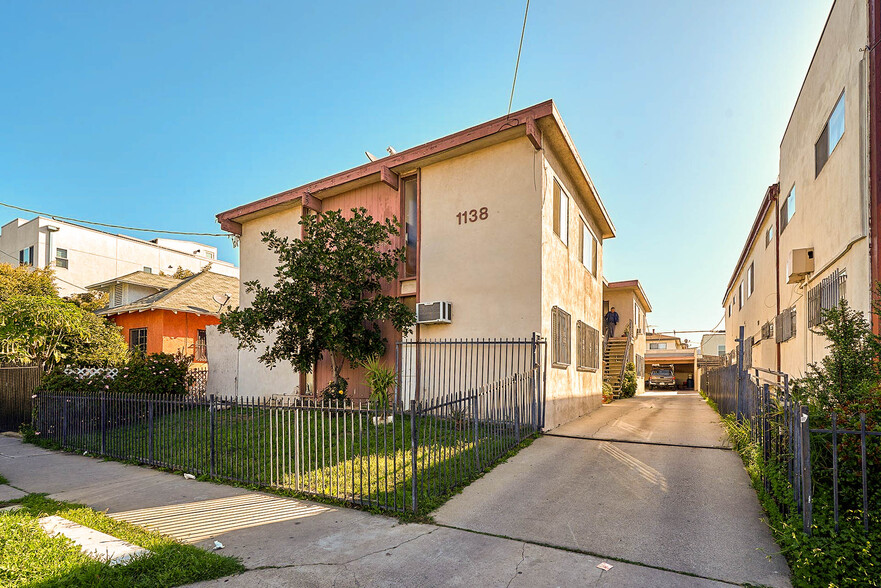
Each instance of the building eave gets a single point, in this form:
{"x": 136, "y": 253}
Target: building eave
{"x": 771, "y": 195}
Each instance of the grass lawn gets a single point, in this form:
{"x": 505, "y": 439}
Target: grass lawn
{"x": 319, "y": 452}
{"x": 29, "y": 557}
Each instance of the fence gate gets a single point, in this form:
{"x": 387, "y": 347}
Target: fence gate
{"x": 17, "y": 385}
{"x": 432, "y": 369}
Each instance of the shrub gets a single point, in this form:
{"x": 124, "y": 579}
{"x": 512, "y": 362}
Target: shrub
{"x": 159, "y": 373}
{"x": 379, "y": 378}
{"x": 336, "y": 391}
{"x": 628, "y": 384}
{"x": 608, "y": 393}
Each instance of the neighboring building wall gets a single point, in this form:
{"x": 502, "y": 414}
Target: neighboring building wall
{"x": 831, "y": 208}
{"x": 710, "y": 344}
{"x": 629, "y": 309}
{"x": 167, "y": 332}
{"x": 223, "y": 363}
{"x": 95, "y": 256}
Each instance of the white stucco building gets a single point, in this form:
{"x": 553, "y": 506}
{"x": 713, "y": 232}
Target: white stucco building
{"x": 82, "y": 256}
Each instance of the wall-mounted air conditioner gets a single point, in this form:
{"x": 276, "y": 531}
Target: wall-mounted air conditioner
{"x": 432, "y": 313}
{"x": 799, "y": 264}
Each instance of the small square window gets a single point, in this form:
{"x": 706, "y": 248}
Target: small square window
{"x": 148, "y": 270}
{"x": 138, "y": 339}
{"x": 61, "y": 258}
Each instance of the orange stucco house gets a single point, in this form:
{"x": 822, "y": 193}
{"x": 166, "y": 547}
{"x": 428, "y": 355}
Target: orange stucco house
{"x": 161, "y": 314}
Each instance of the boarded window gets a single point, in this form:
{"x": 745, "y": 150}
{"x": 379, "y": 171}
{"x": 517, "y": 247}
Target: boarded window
{"x": 784, "y": 325}
{"x": 587, "y": 347}
{"x": 561, "y": 337}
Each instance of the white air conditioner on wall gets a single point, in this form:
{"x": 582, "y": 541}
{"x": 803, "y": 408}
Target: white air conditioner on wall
{"x": 432, "y": 313}
{"x": 799, "y": 264}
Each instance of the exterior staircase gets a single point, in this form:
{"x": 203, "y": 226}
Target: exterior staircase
{"x": 613, "y": 360}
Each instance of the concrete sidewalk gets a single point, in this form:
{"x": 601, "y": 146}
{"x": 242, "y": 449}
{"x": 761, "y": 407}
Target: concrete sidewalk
{"x": 286, "y": 542}
{"x": 667, "y": 493}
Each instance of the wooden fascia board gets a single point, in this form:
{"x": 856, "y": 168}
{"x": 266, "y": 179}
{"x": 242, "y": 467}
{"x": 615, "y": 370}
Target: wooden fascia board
{"x": 388, "y": 177}
{"x": 400, "y": 159}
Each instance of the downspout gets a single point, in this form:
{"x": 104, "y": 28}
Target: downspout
{"x": 874, "y": 132}
{"x": 775, "y": 200}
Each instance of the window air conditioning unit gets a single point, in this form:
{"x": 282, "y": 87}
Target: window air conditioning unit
{"x": 432, "y": 313}
{"x": 799, "y": 264}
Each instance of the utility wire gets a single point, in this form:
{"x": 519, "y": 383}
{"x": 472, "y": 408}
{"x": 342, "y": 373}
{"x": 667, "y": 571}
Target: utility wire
{"x": 86, "y": 222}
{"x": 519, "y": 51}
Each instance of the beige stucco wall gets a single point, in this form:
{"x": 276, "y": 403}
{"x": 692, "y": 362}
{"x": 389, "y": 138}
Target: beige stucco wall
{"x": 624, "y": 299}
{"x": 831, "y": 213}
{"x": 490, "y": 270}
{"x": 258, "y": 263}
{"x": 566, "y": 283}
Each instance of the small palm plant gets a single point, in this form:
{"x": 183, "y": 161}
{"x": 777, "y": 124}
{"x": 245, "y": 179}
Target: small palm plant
{"x": 380, "y": 378}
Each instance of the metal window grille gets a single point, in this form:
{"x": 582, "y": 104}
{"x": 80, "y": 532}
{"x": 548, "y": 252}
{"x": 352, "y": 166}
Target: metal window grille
{"x": 587, "y": 347}
{"x": 767, "y": 330}
{"x": 825, "y": 295}
{"x": 785, "y": 325}
{"x": 561, "y": 337}
{"x": 201, "y": 347}
{"x": 640, "y": 366}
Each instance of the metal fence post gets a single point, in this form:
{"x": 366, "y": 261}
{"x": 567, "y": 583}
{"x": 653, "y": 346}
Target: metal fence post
{"x": 804, "y": 423}
{"x": 413, "y": 443}
{"x": 103, "y": 423}
{"x": 474, "y": 407}
{"x": 737, "y": 392}
{"x": 212, "y": 427}
{"x": 64, "y": 416}
{"x": 150, "y": 430}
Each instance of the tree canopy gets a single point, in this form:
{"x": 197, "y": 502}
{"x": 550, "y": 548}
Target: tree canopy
{"x": 328, "y": 293}
{"x": 24, "y": 280}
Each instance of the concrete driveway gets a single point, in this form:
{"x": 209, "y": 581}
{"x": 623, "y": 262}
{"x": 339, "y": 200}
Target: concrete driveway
{"x": 648, "y": 480}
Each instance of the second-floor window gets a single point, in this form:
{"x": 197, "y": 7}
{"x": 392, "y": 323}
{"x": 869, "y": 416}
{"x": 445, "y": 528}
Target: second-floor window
{"x": 740, "y": 296}
{"x": 787, "y": 209}
{"x": 26, "y": 256}
{"x": 589, "y": 246}
{"x": 830, "y": 136}
{"x": 769, "y": 235}
{"x": 751, "y": 279}
{"x": 411, "y": 228}
{"x": 561, "y": 213}
{"x": 137, "y": 339}
{"x": 658, "y": 345}
{"x": 61, "y": 258}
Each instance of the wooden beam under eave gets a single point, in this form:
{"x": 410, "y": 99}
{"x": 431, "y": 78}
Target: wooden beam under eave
{"x": 533, "y": 133}
{"x": 311, "y": 202}
{"x": 231, "y": 226}
{"x": 388, "y": 177}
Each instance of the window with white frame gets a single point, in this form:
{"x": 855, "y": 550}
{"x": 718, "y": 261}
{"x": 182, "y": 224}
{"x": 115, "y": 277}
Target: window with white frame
{"x": 750, "y": 279}
{"x": 830, "y": 136}
{"x": 589, "y": 246}
{"x": 561, "y": 213}
{"x": 787, "y": 209}
{"x": 61, "y": 258}
{"x": 662, "y": 345}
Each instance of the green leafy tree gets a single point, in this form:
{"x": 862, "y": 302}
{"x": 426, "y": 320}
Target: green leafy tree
{"x": 89, "y": 301}
{"x": 46, "y": 330}
{"x": 23, "y": 280}
{"x": 327, "y": 296}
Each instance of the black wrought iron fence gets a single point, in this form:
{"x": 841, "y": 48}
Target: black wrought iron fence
{"x": 17, "y": 385}
{"x": 829, "y": 467}
{"x": 386, "y": 457}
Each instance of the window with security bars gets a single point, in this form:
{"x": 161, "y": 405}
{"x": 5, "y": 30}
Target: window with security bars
{"x": 587, "y": 347}
{"x": 767, "y": 330}
{"x": 825, "y": 295}
{"x": 561, "y": 337}
{"x": 201, "y": 347}
{"x": 137, "y": 339}
{"x": 784, "y": 325}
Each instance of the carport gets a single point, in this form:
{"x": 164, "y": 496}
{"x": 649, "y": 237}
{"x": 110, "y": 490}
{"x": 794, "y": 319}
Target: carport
{"x": 684, "y": 362}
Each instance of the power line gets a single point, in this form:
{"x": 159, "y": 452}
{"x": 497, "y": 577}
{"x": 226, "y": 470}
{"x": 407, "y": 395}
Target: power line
{"x": 123, "y": 227}
{"x": 519, "y": 51}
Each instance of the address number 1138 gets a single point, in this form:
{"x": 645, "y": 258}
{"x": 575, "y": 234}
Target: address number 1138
{"x": 473, "y": 215}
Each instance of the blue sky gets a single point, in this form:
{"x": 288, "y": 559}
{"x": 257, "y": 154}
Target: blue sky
{"x": 162, "y": 114}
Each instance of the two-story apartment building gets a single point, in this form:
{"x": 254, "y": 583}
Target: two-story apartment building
{"x": 81, "y": 256}
{"x": 816, "y": 235}
{"x": 631, "y": 303}
{"x": 501, "y": 220}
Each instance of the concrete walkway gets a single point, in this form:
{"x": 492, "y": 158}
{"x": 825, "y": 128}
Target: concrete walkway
{"x": 667, "y": 492}
{"x": 286, "y": 542}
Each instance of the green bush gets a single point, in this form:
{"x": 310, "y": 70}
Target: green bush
{"x": 336, "y": 391}
{"x": 159, "y": 373}
{"x": 628, "y": 384}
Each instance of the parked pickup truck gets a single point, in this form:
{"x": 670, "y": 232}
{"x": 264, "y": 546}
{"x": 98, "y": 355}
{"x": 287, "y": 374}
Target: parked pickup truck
{"x": 662, "y": 377}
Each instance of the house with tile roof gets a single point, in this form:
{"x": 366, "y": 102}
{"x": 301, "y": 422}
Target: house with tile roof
{"x": 162, "y": 314}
